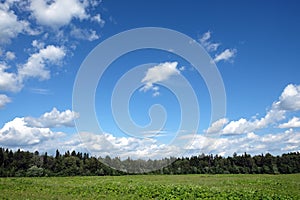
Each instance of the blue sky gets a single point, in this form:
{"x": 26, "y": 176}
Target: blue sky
{"x": 254, "y": 45}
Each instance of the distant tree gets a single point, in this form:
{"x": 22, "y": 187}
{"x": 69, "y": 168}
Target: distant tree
{"x": 35, "y": 171}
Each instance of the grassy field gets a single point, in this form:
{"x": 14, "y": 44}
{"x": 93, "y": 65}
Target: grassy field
{"x": 154, "y": 187}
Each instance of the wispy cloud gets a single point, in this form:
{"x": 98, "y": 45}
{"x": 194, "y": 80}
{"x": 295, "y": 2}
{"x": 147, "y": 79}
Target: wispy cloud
{"x": 84, "y": 34}
{"x": 40, "y": 91}
{"x": 226, "y": 55}
{"x": 205, "y": 40}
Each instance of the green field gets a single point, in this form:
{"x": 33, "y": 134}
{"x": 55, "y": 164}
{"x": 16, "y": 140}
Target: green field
{"x": 154, "y": 187}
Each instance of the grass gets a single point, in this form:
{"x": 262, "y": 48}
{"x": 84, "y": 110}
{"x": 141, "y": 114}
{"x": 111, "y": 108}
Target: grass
{"x": 154, "y": 187}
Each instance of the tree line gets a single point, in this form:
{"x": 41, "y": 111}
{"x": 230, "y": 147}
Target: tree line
{"x": 25, "y": 163}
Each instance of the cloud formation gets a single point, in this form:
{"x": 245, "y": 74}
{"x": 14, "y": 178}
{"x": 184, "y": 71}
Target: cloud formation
{"x": 36, "y": 63}
{"x": 53, "y": 119}
{"x": 292, "y": 123}
{"x": 159, "y": 73}
{"x": 290, "y": 98}
{"x": 251, "y": 143}
{"x": 226, "y": 55}
{"x": 59, "y": 12}
{"x": 16, "y": 133}
{"x": 9, "y": 81}
{"x": 84, "y": 34}
{"x": 36, "y": 134}
{"x": 4, "y": 100}
{"x": 289, "y": 101}
{"x": 53, "y": 36}
{"x": 10, "y": 26}
{"x": 207, "y": 44}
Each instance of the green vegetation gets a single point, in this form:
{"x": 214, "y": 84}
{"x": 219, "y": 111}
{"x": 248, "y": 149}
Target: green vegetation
{"x": 238, "y": 186}
{"x": 21, "y": 163}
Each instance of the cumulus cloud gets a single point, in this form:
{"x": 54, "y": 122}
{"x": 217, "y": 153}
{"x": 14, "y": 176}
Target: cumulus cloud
{"x": 53, "y": 119}
{"x": 288, "y": 101}
{"x": 9, "y": 81}
{"x": 290, "y": 98}
{"x": 16, "y": 133}
{"x": 237, "y": 127}
{"x": 251, "y": 143}
{"x": 217, "y": 126}
{"x": 242, "y": 125}
{"x": 59, "y": 12}
{"x": 10, "y": 26}
{"x": 226, "y": 55}
{"x": 292, "y": 123}
{"x": 4, "y": 100}
{"x": 54, "y": 14}
{"x": 38, "y": 45}
{"x": 207, "y": 44}
{"x": 36, "y": 63}
{"x": 159, "y": 73}
{"x": 123, "y": 147}
{"x": 35, "y": 133}
{"x": 34, "y": 67}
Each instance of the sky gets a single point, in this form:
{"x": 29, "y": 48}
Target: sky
{"x": 220, "y": 77}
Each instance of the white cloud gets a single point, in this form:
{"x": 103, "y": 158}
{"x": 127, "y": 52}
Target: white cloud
{"x": 97, "y": 18}
{"x": 292, "y": 123}
{"x": 182, "y": 68}
{"x": 237, "y": 127}
{"x": 38, "y": 45}
{"x": 217, "y": 126}
{"x": 205, "y": 37}
{"x": 10, "y": 55}
{"x": 40, "y": 91}
{"x": 10, "y": 26}
{"x": 84, "y": 34}
{"x": 207, "y": 44}
{"x": 288, "y": 101}
{"x": 35, "y": 67}
{"x": 159, "y": 73}
{"x": 16, "y": 133}
{"x": 242, "y": 125}
{"x": 4, "y": 100}
{"x": 226, "y": 55}
{"x": 290, "y": 98}
{"x": 53, "y": 119}
{"x": 59, "y": 12}
{"x": 8, "y": 81}
{"x": 251, "y": 143}
{"x": 36, "y": 63}
{"x": 123, "y": 147}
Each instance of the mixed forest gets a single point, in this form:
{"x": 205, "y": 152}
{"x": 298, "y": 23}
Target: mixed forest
{"x": 32, "y": 164}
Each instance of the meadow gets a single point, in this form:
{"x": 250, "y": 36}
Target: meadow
{"x": 239, "y": 186}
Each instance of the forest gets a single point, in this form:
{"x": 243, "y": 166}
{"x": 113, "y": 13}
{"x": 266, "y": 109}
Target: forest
{"x": 33, "y": 164}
